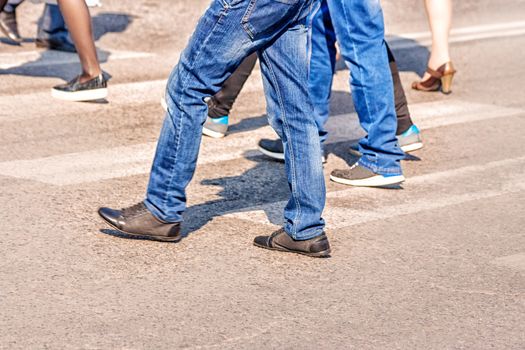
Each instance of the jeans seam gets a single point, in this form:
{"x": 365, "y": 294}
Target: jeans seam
{"x": 356, "y": 59}
{"x": 184, "y": 82}
{"x": 290, "y": 149}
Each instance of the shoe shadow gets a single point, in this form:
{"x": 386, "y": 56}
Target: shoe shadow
{"x": 65, "y": 65}
{"x": 262, "y": 187}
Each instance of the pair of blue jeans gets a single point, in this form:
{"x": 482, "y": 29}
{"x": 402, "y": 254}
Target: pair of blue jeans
{"x": 228, "y": 32}
{"x": 359, "y": 27}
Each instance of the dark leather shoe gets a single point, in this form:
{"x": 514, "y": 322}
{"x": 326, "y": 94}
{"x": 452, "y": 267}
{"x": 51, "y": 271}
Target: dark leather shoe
{"x": 9, "y": 26}
{"x": 55, "y": 44}
{"x": 317, "y": 247}
{"x": 137, "y": 220}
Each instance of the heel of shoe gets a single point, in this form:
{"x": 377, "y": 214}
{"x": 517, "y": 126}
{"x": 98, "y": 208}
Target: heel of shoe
{"x": 446, "y": 83}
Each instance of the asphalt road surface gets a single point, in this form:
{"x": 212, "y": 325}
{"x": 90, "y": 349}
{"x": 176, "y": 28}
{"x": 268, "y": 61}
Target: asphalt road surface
{"x": 437, "y": 264}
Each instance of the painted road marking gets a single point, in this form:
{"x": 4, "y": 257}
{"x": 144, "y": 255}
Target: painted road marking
{"x": 459, "y": 35}
{"x": 104, "y": 164}
{"x": 516, "y": 261}
{"x": 21, "y": 106}
{"x": 338, "y": 217}
{"x": 39, "y": 58}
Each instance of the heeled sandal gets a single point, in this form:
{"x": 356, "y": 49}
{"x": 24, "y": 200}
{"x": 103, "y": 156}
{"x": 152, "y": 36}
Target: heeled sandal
{"x": 439, "y": 79}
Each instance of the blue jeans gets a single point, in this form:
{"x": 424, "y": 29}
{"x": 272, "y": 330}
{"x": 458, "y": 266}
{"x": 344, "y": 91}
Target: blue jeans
{"x": 11, "y": 5}
{"x": 52, "y": 25}
{"x": 228, "y": 32}
{"x": 359, "y": 28}
{"x": 322, "y": 67}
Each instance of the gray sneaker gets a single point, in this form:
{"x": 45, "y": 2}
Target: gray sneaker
{"x": 213, "y": 127}
{"x": 216, "y": 127}
{"x": 408, "y": 141}
{"x": 358, "y": 175}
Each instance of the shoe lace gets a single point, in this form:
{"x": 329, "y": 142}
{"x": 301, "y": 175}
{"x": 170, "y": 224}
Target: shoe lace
{"x": 134, "y": 210}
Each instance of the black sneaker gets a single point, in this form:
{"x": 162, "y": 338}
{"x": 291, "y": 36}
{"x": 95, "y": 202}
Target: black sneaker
{"x": 274, "y": 149}
{"x": 9, "y": 27}
{"x": 358, "y": 175}
{"x": 137, "y": 220}
{"x": 317, "y": 247}
{"x": 94, "y": 89}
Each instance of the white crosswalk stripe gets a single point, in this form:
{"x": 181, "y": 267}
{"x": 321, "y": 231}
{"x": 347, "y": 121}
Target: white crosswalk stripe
{"x": 46, "y": 58}
{"x": 339, "y": 217}
{"x": 104, "y": 164}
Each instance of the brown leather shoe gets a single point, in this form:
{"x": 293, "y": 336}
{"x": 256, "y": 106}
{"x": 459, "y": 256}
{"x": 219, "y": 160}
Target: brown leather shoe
{"x": 137, "y": 220}
{"x": 317, "y": 247}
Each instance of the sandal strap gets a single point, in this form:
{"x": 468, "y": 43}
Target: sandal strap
{"x": 434, "y": 73}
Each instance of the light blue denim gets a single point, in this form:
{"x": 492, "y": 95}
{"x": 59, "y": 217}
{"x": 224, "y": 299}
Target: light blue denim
{"x": 359, "y": 28}
{"x": 229, "y": 31}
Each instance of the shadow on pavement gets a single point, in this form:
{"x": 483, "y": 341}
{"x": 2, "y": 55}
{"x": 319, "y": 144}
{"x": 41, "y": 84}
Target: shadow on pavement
{"x": 43, "y": 65}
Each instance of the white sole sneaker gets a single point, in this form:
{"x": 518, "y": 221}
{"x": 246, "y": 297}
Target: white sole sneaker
{"x": 211, "y": 133}
{"x": 374, "y": 181}
{"x": 273, "y": 155}
{"x": 79, "y": 96}
{"x": 412, "y": 147}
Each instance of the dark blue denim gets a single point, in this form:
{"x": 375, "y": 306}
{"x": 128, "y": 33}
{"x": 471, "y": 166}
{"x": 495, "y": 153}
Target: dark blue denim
{"x": 11, "y": 5}
{"x": 52, "y": 26}
{"x": 229, "y": 31}
{"x": 359, "y": 27}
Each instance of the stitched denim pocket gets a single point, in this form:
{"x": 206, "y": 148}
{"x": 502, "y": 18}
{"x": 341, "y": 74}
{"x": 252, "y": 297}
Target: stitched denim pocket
{"x": 267, "y": 17}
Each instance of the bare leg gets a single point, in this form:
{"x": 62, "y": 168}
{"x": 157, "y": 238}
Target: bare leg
{"x": 439, "y": 13}
{"x": 78, "y": 20}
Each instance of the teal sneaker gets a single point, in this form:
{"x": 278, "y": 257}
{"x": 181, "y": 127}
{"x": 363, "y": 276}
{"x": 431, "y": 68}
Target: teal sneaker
{"x": 216, "y": 127}
{"x": 408, "y": 141}
{"x": 213, "y": 127}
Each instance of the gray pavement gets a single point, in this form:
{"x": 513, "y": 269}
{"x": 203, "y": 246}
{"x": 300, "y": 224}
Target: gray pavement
{"x": 438, "y": 264}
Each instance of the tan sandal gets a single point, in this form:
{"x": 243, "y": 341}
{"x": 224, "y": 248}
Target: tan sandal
{"x": 439, "y": 79}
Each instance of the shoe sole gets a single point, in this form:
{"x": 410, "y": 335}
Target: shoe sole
{"x": 279, "y": 156}
{"x": 374, "y": 181}
{"x": 211, "y": 133}
{"x": 80, "y": 96}
{"x": 150, "y": 237}
{"x": 322, "y": 254}
{"x": 412, "y": 147}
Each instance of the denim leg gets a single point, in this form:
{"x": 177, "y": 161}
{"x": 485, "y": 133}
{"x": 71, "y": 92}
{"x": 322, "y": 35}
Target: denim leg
{"x": 52, "y": 25}
{"x": 290, "y": 112}
{"x": 227, "y": 33}
{"x": 216, "y": 48}
{"x": 322, "y": 67}
{"x": 360, "y": 31}
{"x": 11, "y": 5}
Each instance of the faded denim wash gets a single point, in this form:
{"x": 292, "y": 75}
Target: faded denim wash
{"x": 359, "y": 27}
{"x": 228, "y": 32}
